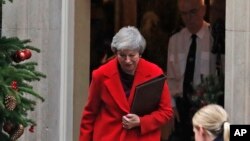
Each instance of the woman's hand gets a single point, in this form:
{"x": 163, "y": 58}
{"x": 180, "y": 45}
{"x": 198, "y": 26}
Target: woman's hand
{"x": 130, "y": 121}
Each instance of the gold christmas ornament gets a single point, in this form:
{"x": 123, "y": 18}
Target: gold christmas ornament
{"x": 10, "y": 102}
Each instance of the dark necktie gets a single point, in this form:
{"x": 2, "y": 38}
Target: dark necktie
{"x": 189, "y": 71}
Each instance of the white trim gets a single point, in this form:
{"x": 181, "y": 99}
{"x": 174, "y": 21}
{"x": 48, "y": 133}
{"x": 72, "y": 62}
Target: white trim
{"x": 67, "y": 62}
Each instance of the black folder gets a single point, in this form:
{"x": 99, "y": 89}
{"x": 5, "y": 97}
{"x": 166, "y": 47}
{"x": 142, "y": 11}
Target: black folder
{"x": 147, "y": 96}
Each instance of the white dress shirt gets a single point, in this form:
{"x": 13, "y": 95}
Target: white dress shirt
{"x": 178, "y": 49}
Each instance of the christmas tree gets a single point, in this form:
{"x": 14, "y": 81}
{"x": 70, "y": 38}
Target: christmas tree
{"x": 17, "y": 96}
{"x": 16, "y": 75}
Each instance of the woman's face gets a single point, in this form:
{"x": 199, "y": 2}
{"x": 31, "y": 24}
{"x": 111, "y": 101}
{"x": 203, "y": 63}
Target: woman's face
{"x": 128, "y": 60}
{"x": 200, "y": 134}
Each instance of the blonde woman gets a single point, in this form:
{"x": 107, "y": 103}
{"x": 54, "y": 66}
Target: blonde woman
{"x": 210, "y": 123}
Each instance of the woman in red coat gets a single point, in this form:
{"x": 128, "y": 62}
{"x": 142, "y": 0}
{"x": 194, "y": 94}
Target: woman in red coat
{"x": 106, "y": 116}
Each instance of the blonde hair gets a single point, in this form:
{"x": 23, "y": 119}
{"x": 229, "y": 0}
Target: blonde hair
{"x": 214, "y": 119}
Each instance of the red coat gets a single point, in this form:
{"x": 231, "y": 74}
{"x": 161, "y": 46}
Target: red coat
{"x": 107, "y": 103}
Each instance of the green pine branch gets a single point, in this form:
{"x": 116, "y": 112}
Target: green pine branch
{"x": 30, "y": 91}
{"x": 4, "y": 1}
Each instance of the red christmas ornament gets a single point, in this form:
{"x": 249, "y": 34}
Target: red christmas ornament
{"x": 20, "y": 55}
{"x": 31, "y": 129}
{"x": 27, "y": 53}
{"x": 14, "y": 85}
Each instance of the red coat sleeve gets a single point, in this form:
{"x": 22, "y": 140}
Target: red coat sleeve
{"x": 91, "y": 110}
